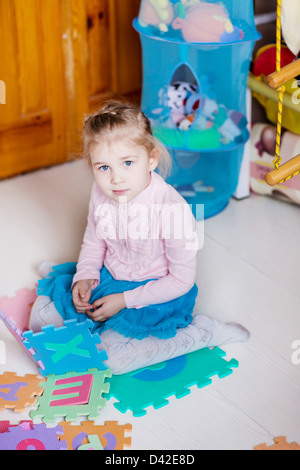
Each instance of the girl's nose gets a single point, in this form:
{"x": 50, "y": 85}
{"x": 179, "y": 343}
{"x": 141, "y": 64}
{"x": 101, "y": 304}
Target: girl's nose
{"x": 117, "y": 178}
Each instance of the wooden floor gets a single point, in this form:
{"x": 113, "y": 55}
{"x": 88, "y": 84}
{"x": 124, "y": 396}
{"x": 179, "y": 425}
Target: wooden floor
{"x": 248, "y": 271}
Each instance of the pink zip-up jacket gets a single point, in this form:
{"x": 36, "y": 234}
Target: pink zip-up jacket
{"x": 151, "y": 237}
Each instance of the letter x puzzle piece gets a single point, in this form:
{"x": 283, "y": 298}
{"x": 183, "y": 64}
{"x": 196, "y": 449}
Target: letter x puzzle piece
{"x": 140, "y": 389}
{"x": 19, "y": 392}
{"x": 111, "y": 435}
{"x": 280, "y": 444}
{"x": 72, "y": 395}
{"x": 71, "y": 347}
{"x": 32, "y": 437}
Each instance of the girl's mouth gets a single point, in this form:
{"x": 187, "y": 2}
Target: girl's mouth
{"x": 121, "y": 192}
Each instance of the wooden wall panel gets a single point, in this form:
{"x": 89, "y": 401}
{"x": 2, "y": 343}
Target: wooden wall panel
{"x": 54, "y": 70}
{"x": 8, "y": 64}
{"x": 125, "y": 44}
{"x": 75, "y": 53}
{"x": 99, "y": 49}
{"x": 26, "y": 145}
{"x": 30, "y": 56}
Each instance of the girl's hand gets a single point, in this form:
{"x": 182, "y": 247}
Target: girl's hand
{"x": 81, "y": 294}
{"x": 109, "y": 306}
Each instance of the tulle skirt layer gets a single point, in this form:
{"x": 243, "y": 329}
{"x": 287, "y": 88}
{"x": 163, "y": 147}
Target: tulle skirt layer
{"x": 159, "y": 320}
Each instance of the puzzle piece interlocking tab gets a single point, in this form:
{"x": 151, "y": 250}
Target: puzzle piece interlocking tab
{"x": 280, "y": 444}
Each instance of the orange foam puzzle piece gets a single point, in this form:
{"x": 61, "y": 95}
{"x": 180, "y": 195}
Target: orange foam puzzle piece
{"x": 111, "y": 434}
{"x": 19, "y": 392}
{"x": 280, "y": 444}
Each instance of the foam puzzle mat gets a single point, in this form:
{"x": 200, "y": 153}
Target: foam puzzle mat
{"x": 140, "y": 389}
{"x": 65, "y": 436}
{"x": 75, "y": 383}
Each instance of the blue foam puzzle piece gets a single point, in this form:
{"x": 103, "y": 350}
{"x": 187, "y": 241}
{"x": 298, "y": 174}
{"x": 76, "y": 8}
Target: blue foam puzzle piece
{"x": 140, "y": 389}
{"x": 71, "y": 347}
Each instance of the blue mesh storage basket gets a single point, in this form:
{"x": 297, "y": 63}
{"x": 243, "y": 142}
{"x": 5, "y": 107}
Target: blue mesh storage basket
{"x": 196, "y": 59}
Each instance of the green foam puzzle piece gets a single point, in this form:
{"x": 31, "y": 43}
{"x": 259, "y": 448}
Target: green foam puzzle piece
{"x": 72, "y": 395}
{"x": 140, "y": 389}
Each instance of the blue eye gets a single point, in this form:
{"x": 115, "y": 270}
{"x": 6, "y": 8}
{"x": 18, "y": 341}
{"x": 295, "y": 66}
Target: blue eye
{"x": 104, "y": 168}
{"x": 128, "y": 163}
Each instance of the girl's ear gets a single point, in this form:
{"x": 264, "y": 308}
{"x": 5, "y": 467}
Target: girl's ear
{"x": 154, "y": 159}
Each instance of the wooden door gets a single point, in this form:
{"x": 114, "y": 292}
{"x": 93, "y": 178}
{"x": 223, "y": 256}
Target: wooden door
{"x": 59, "y": 60}
{"x": 32, "y": 121}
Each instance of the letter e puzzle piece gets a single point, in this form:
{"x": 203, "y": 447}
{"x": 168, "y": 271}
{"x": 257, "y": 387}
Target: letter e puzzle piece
{"x": 140, "y": 389}
{"x": 19, "y": 392}
{"x": 71, "y": 347}
{"x": 72, "y": 395}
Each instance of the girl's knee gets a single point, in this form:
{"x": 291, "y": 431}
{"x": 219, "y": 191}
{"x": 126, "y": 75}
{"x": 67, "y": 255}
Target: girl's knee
{"x": 44, "y": 313}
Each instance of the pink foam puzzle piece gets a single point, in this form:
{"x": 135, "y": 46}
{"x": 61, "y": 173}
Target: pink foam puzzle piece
{"x": 5, "y": 425}
{"x": 17, "y": 308}
{"x": 82, "y": 393}
{"x": 15, "y": 313}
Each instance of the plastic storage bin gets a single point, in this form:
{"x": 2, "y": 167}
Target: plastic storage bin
{"x": 196, "y": 59}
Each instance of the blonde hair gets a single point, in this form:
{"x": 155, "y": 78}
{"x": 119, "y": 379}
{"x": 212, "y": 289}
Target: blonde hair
{"x": 112, "y": 121}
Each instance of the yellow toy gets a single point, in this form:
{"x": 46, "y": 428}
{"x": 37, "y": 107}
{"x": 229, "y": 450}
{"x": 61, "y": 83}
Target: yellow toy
{"x": 276, "y": 81}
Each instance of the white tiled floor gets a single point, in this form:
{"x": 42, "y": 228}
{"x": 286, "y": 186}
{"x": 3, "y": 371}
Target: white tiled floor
{"x": 248, "y": 271}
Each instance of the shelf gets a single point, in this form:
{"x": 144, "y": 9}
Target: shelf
{"x": 184, "y": 140}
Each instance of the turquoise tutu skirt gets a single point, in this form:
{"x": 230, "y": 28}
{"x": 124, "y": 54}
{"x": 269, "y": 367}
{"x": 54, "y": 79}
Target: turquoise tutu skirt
{"x": 159, "y": 320}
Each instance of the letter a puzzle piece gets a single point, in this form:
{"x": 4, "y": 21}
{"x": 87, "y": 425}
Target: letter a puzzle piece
{"x": 111, "y": 434}
{"x": 19, "y": 392}
{"x": 71, "y": 347}
{"x": 140, "y": 389}
{"x": 94, "y": 443}
{"x": 72, "y": 395}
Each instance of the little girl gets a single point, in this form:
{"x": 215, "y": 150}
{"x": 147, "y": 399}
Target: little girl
{"x": 135, "y": 277}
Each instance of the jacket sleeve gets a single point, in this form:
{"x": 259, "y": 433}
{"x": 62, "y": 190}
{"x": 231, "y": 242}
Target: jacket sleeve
{"x": 181, "y": 255}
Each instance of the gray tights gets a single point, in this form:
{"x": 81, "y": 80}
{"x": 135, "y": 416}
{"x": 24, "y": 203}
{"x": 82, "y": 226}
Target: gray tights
{"x": 127, "y": 354}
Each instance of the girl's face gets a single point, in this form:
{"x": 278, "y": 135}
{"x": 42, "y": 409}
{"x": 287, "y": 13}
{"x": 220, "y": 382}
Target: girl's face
{"x": 122, "y": 169}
